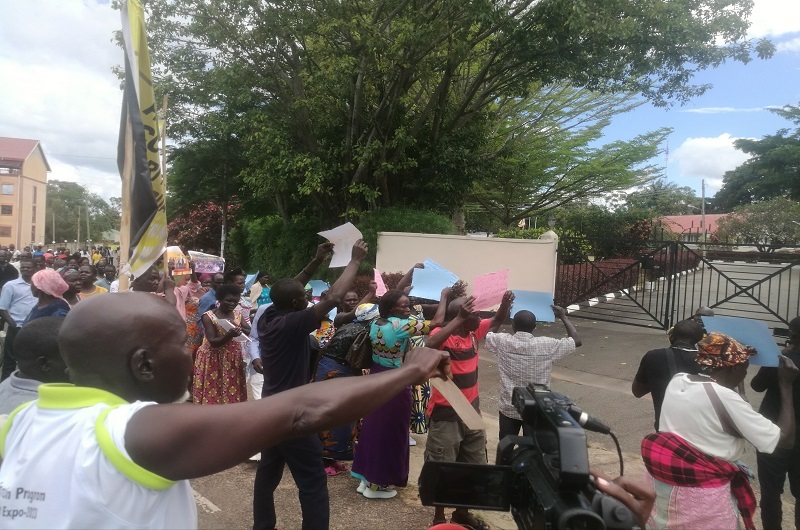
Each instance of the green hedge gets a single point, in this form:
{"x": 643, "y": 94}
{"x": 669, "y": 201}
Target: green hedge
{"x": 284, "y": 247}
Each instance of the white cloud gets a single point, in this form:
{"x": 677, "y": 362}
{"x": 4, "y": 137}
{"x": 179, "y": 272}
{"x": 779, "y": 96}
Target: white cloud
{"x": 721, "y": 110}
{"x": 791, "y": 45}
{"x": 58, "y": 87}
{"x": 773, "y": 18}
{"x": 707, "y": 158}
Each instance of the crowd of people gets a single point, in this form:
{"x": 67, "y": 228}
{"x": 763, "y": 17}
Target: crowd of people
{"x": 123, "y": 440}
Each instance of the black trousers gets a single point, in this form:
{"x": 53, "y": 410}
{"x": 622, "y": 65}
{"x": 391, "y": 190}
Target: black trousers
{"x": 511, "y": 426}
{"x": 772, "y": 471}
{"x": 9, "y": 359}
{"x": 304, "y": 458}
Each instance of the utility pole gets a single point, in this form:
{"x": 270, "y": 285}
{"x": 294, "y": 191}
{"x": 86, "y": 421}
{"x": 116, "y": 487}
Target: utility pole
{"x": 703, "y": 208}
{"x": 88, "y": 235}
{"x": 78, "y": 239}
{"x": 54, "y": 228}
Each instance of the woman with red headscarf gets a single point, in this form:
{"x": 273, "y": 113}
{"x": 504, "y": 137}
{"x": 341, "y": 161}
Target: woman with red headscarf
{"x": 49, "y": 287}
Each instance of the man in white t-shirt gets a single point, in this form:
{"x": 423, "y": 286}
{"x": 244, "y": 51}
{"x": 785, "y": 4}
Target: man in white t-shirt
{"x": 107, "y": 452}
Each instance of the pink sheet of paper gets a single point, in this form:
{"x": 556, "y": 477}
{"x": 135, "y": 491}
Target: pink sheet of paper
{"x": 379, "y": 280}
{"x": 488, "y": 289}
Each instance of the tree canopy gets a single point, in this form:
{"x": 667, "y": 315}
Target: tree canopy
{"x": 769, "y": 225}
{"x": 349, "y": 105}
{"x": 664, "y": 198}
{"x": 64, "y": 202}
{"x": 773, "y": 171}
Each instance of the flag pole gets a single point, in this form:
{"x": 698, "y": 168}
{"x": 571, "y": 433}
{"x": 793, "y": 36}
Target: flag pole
{"x": 125, "y": 222}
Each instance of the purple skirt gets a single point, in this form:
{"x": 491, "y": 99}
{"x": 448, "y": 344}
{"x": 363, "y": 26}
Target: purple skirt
{"x": 381, "y": 456}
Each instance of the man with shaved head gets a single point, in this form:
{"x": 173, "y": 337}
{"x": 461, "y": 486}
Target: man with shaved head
{"x": 114, "y": 451}
{"x": 524, "y": 358}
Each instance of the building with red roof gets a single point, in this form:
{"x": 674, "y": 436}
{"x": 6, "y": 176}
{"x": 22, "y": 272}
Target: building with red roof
{"x": 690, "y": 227}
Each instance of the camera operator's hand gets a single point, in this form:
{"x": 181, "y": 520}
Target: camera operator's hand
{"x": 431, "y": 363}
{"x": 638, "y": 497}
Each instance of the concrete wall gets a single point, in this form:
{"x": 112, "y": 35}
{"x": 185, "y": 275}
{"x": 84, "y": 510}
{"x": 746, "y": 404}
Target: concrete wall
{"x": 531, "y": 262}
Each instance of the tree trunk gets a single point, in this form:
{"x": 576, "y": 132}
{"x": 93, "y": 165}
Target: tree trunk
{"x": 459, "y": 221}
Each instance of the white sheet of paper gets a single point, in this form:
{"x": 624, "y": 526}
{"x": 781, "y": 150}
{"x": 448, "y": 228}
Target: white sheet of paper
{"x": 463, "y": 408}
{"x": 343, "y": 238}
{"x": 227, "y": 325}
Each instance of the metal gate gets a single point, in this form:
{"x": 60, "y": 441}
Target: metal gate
{"x": 658, "y": 283}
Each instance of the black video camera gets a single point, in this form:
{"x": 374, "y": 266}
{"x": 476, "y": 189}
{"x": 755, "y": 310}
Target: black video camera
{"x": 543, "y": 478}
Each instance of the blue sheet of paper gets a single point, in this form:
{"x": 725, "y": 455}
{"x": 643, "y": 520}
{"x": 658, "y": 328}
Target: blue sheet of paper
{"x": 318, "y": 287}
{"x": 536, "y": 302}
{"x": 428, "y": 283}
{"x": 752, "y": 333}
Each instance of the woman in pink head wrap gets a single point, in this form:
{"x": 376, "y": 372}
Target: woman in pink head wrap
{"x": 49, "y": 287}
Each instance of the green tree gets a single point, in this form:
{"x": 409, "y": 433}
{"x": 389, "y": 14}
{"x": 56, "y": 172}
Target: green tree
{"x": 773, "y": 171}
{"x": 546, "y": 155}
{"x": 352, "y": 105}
{"x": 767, "y": 225}
{"x": 67, "y": 204}
{"x": 664, "y": 198}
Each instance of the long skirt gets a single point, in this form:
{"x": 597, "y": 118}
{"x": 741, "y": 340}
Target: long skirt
{"x": 381, "y": 456}
{"x": 337, "y": 443}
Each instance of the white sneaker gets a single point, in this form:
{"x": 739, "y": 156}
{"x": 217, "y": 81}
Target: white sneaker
{"x": 411, "y": 441}
{"x": 256, "y": 457}
{"x": 361, "y": 487}
{"x": 376, "y": 492}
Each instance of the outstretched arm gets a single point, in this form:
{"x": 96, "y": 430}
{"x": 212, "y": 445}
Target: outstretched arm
{"x": 346, "y": 318}
{"x": 561, "y": 313}
{"x": 437, "y": 339}
{"x": 323, "y": 250}
{"x": 502, "y": 312}
{"x": 405, "y": 281}
{"x": 441, "y": 310}
{"x": 179, "y": 441}
{"x": 340, "y": 287}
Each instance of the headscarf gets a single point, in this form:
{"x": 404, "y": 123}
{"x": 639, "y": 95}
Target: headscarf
{"x": 720, "y": 351}
{"x": 366, "y": 313}
{"x": 50, "y": 282}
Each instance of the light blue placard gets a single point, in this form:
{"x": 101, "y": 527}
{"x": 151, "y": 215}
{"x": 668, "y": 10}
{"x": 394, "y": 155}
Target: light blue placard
{"x": 428, "y": 283}
{"x": 249, "y": 280}
{"x": 536, "y": 302}
{"x": 432, "y": 265}
{"x": 749, "y": 332}
{"x": 318, "y": 287}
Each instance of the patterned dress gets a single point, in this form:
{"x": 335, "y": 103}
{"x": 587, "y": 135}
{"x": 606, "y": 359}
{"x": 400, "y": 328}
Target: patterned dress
{"x": 419, "y": 393}
{"x": 382, "y": 454}
{"x": 193, "y": 326}
{"x": 219, "y": 375}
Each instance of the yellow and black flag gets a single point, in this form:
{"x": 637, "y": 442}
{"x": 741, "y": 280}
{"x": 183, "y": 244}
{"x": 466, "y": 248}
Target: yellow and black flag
{"x": 143, "y": 234}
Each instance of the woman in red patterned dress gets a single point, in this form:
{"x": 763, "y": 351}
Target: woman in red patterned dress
{"x": 219, "y": 375}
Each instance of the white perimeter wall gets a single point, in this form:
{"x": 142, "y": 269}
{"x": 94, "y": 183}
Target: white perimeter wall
{"x": 531, "y": 262}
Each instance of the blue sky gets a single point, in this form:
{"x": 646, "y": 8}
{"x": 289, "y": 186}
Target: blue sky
{"x": 56, "y": 57}
{"x": 736, "y": 107}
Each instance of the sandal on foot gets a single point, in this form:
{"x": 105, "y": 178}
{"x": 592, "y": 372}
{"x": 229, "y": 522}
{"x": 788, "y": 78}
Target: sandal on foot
{"x": 468, "y": 520}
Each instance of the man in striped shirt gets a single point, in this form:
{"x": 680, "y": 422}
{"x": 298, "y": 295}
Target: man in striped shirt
{"x": 449, "y": 440}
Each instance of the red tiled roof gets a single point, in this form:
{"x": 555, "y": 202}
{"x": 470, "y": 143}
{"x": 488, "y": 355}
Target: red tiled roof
{"x": 692, "y": 223}
{"x": 19, "y": 149}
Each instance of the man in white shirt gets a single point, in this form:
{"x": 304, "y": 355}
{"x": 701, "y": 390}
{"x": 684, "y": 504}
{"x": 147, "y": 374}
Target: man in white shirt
{"x": 114, "y": 450}
{"x": 524, "y": 358}
{"x": 16, "y": 302}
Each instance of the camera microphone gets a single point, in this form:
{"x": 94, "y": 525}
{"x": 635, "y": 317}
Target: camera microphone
{"x": 587, "y": 422}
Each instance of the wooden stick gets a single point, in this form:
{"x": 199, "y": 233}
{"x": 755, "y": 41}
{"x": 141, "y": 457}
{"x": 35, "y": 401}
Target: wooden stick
{"x": 463, "y": 408}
